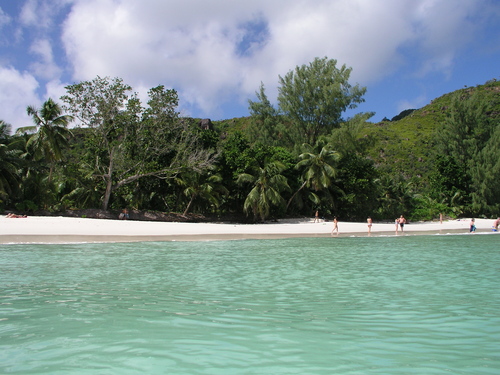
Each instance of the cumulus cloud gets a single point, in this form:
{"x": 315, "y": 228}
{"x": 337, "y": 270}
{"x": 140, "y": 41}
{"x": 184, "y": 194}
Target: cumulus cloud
{"x": 17, "y": 91}
{"x": 45, "y": 67}
{"x": 211, "y": 51}
{"x": 217, "y": 52}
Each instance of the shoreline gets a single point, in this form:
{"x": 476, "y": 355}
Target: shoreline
{"x": 54, "y": 230}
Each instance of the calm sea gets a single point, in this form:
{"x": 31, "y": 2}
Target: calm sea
{"x": 394, "y": 305}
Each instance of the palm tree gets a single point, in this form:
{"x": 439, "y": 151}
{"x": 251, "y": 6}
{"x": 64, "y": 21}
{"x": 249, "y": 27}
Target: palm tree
{"x": 206, "y": 187}
{"x": 9, "y": 163}
{"x": 319, "y": 169}
{"x": 49, "y": 134}
{"x": 268, "y": 184}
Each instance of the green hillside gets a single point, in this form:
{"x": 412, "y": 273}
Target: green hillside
{"x": 407, "y": 145}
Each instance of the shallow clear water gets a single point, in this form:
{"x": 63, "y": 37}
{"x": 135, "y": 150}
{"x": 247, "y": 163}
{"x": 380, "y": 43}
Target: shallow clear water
{"x": 406, "y": 305}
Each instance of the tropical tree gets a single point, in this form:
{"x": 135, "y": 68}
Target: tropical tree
{"x": 268, "y": 184}
{"x": 355, "y": 187}
{"x": 319, "y": 170}
{"x": 9, "y": 163}
{"x": 486, "y": 174}
{"x": 49, "y": 134}
{"x": 128, "y": 142}
{"x": 350, "y": 137}
{"x": 207, "y": 187}
{"x": 313, "y": 98}
{"x": 469, "y": 140}
{"x": 266, "y": 126}
{"x": 396, "y": 195}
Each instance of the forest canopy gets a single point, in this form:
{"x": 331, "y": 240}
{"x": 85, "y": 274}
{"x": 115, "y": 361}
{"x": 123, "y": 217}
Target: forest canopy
{"x": 99, "y": 146}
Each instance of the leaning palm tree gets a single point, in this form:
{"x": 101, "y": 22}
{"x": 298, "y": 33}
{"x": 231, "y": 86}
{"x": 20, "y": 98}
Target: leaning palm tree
{"x": 49, "y": 134}
{"x": 203, "y": 186}
{"x": 268, "y": 184}
{"x": 319, "y": 169}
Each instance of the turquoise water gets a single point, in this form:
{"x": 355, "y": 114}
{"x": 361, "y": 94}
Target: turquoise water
{"x": 396, "y": 305}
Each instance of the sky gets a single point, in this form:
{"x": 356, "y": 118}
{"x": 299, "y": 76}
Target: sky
{"x": 216, "y": 53}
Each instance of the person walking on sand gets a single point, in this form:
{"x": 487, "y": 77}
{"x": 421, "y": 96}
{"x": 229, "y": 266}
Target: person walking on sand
{"x": 316, "y": 217}
{"x": 472, "y": 225}
{"x": 370, "y": 223}
{"x": 402, "y": 222}
{"x": 335, "y": 226}
{"x": 397, "y": 224}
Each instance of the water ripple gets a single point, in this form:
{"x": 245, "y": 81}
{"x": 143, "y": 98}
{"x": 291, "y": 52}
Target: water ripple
{"x": 410, "y": 305}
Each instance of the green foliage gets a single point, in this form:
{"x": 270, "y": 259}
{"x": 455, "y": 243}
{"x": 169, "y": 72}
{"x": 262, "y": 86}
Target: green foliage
{"x": 443, "y": 158}
{"x": 356, "y": 191}
{"x": 318, "y": 171}
{"x": 268, "y": 184}
{"x": 403, "y": 114}
{"x": 205, "y": 189}
{"x": 127, "y": 142}
{"x": 50, "y": 133}
{"x": 351, "y": 138}
{"x": 311, "y": 101}
{"x": 10, "y": 163}
{"x": 470, "y": 140}
{"x": 266, "y": 127}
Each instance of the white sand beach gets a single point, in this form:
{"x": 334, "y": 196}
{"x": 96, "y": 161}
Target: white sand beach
{"x": 48, "y": 229}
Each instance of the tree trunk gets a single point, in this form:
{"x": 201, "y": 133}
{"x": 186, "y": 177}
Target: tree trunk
{"x": 294, "y": 194}
{"x": 107, "y": 194}
{"x": 189, "y": 205}
{"x": 109, "y": 183}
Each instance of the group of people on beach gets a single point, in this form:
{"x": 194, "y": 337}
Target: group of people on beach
{"x": 400, "y": 223}
{"x": 472, "y": 225}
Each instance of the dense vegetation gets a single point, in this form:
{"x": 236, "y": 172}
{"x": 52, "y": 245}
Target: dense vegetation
{"x": 285, "y": 160}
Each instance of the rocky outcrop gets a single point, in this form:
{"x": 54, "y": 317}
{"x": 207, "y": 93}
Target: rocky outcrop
{"x": 206, "y": 124}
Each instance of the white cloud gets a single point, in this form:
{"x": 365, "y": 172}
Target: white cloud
{"x": 41, "y": 13}
{"x": 4, "y": 18}
{"x": 444, "y": 29}
{"x": 55, "y": 89}
{"x": 192, "y": 45}
{"x": 215, "y": 52}
{"x": 45, "y": 67}
{"x": 17, "y": 91}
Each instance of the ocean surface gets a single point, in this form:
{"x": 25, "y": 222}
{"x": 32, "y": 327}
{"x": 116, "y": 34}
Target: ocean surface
{"x": 381, "y": 305}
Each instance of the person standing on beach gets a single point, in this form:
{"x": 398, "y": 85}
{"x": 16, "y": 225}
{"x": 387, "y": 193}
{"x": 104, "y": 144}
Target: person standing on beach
{"x": 397, "y": 224}
{"x": 496, "y": 224}
{"x": 316, "y": 217}
{"x": 370, "y": 223}
{"x": 335, "y": 226}
{"x": 472, "y": 225}
{"x": 402, "y": 222}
